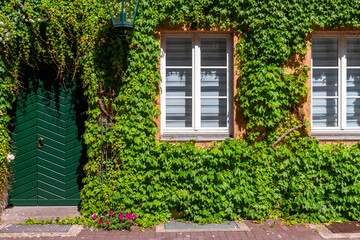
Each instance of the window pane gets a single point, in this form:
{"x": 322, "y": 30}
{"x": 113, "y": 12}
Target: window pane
{"x": 178, "y": 82}
{"x": 213, "y": 112}
{"x": 353, "y": 82}
{"x": 325, "y": 82}
{"x": 324, "y": 112}
{"x": 353, "y": 112}
{"x": 324, "y": 52}
{"x": 213, "y": 52}
{"x": 178, "y": 112}
{"x": 178, "y": 52}
{"x": 353, "y": 51}
{"x": 213, "y": 82}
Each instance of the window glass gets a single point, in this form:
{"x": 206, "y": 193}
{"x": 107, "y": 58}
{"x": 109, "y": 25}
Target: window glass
{"x": 325, "y": 82}
{"x": 213, "y": 82}
{"x": 178, "y": 51}
{"x": 353, "y": 51}
{"x": 178, "y": 82}
{"x": 213, "y": 52}
{"x": 213, "y": 112}
{"x": 353, "y": 112}
{"x": 178, "y": 112}
{"x": 325, "y": 52}
{"x": 353, "y": 82}
{"x": 324, "y": 112}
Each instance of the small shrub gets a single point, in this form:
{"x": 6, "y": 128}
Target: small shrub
{"x": 113, "y": 220}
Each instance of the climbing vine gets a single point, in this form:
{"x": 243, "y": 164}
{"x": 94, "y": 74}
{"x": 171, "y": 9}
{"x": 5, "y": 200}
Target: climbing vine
{"x": 233, "y": 179}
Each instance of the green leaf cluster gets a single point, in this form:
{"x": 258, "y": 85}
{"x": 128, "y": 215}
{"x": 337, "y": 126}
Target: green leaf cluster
{"x": 233, "y": 179}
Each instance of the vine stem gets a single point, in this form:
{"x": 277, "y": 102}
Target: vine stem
{"x": 102, "y": 107}
{"x": 273, "y": 146}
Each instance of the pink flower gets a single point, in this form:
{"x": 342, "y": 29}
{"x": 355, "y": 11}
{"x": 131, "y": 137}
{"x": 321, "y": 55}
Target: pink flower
{"x": 110, "y": 213}
{"x": 111, "y": 220}
{"x": 128, "y": 222}
{"x": 114, "y": 213}
{"x": 134, "y": 216}
{"x": 10, "y": 157}
{"x": 101, "y": 221}
{"x": 121, "y": 216}
{"x": 94, "y": 216}
{"x": 107, "y": 224}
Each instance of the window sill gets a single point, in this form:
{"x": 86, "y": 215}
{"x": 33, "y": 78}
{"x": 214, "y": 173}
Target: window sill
{"x": 336, "y": 135}
{"x": 175, "y": 137}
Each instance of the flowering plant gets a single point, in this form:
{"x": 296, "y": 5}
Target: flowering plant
{"x": 113, "y": 220}
{"x": 10, "y": 157}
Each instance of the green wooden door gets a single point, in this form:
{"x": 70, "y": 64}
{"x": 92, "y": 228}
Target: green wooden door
{"x": 47, "y": 143}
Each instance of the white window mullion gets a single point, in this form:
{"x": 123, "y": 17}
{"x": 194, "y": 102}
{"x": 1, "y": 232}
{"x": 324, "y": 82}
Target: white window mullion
{"x": 197, "y": 84}
{"x": 342, "y": 82}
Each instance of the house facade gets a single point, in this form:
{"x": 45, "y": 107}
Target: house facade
{"x": 186, "y": 127}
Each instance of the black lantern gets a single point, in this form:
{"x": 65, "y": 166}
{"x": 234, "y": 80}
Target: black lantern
{"x": 123, "y": 12}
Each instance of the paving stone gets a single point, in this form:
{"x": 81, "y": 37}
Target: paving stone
{"x": 267, "y": 231}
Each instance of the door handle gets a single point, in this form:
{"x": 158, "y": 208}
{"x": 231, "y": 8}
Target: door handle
{"x": 41, "y": 142}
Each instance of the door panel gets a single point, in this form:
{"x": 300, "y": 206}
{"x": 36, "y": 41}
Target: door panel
{"x": 29, "y": 178}
{"x": 47, "y": 174}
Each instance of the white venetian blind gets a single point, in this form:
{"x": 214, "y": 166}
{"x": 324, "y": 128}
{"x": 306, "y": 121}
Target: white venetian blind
{"x": 325, "y": 95}
{"x": 178, "y": 82}
{"x": 214, "y": 84}
{"x": 353, "y": 82}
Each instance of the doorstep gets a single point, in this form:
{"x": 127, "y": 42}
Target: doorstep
{"x": 15, "y": 215}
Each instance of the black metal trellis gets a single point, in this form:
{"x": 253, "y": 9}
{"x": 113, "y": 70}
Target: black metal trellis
{"x": 108, "y": 153}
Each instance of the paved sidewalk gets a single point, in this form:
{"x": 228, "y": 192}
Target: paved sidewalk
{"x": 268, "y": 230}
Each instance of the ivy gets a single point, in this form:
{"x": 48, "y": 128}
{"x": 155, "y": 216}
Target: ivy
{"x": 233, "y": 179}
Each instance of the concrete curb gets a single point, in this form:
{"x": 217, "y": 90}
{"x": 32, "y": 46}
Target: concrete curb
{"x": 73, "y": 232}
{"x": 242, "y": 228}
{"x": 326, "y": 233}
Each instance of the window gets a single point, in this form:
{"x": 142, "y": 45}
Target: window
{"x": 336, "y": 85}
{"x": 196, "y": 86}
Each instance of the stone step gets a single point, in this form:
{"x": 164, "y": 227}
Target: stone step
{"x": 15, "y": 215}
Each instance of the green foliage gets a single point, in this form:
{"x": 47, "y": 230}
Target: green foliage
{"x": 112, "y": 220}
{"x": 109, "y": 221}
{"x": 234, "y": 180}
{"x": 66, "y": 221}
{"x": 156, "y": 180}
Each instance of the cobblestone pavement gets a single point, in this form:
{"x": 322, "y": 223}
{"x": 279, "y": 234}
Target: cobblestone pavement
{"x": 267, "y": 230}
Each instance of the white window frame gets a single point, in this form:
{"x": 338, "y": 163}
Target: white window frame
{"x": 341, "y": 132}
{"x": 196, "y": 85}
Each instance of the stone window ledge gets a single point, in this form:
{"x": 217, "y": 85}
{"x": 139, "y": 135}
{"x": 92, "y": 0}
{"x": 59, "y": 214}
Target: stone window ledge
{"x": 336, "y": 135}
{"x": 175, "y": 137}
